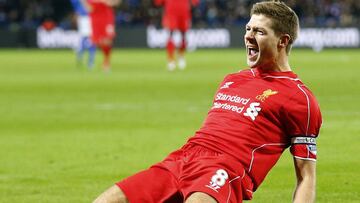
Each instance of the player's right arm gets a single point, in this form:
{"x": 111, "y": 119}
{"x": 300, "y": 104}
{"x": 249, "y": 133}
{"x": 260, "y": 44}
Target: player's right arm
{"x": 306, "y": 181}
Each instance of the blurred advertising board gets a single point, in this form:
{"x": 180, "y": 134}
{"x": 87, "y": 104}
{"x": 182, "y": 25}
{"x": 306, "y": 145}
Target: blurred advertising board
{"x": 152, "y": 37}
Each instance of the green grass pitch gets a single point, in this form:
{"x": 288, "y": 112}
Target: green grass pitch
{"x": 67, "y": 134}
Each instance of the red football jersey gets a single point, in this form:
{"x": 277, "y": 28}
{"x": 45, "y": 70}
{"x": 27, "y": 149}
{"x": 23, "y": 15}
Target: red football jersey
{"x": 102, "y": 20}
{"x": 177, "y": 6}
{"x": 256, "y": 115}
{"x": 101, "y": 11}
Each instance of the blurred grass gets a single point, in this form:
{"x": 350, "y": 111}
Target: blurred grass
{"x": 66, "y": 133}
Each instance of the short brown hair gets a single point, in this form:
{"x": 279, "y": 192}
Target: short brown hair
{"x": 284, "y": 19}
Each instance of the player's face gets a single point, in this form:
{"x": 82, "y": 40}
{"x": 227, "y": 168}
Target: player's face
{"x": 261, "y": 42}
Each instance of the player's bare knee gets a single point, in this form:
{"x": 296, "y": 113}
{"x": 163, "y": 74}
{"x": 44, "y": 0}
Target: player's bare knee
{"x": 200, "y": 197}
{"x": 112, "y": 195}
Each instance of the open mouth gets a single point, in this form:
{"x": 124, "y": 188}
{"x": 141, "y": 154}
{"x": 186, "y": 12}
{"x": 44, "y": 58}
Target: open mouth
{"x": 252, "y": 52}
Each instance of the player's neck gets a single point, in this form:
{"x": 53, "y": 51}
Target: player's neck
{"x": 284, "y": 67}
{"x": 280, "y": 64}
{"x": 275, "y": 67}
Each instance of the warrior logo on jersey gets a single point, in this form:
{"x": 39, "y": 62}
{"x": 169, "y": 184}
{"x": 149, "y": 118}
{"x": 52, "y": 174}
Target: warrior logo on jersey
{"x": 266, "y": 94}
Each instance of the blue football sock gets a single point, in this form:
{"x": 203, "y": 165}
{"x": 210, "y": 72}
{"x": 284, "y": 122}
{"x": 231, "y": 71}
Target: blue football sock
{"x": 81, "y": 49}
{"x": 92, "y": 51}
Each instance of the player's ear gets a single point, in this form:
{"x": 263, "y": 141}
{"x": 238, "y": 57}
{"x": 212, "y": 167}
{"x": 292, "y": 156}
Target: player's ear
{"x": 284, "y": 40}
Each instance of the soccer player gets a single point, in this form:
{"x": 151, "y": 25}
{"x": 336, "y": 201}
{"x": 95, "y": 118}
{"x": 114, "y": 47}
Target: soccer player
{"x": 84, "y": 30}
{"x": 103, "y": 24}
{"x": 176, "y": 16}
{"x": 257, "y": 113}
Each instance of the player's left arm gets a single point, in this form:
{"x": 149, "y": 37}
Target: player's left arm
{"x": 303, "y": 120}
{"x": 306, "y": 181}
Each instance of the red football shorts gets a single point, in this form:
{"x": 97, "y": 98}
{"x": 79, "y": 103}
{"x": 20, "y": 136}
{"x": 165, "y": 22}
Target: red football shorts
{"x": 175, "y": 21}
{"x": 102, "y": 29}
{"x": 190, "y": 169}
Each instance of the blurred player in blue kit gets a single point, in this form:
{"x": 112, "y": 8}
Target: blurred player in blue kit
{"x": 85, "y": 31}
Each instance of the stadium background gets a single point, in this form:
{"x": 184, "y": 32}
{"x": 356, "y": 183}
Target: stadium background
{"x": 20, "y": 19}
{"x": 66, "y": 133}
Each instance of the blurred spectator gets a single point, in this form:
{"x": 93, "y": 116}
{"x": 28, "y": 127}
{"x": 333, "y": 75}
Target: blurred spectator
{"x": 209, "y": 13}
{"x": 48, "y": 24}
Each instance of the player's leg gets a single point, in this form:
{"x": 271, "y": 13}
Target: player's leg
{"x": 182, "y": 49}
{"x": 170, "y": 50}
{"x": 103, "y": 35}
{"x": 87, "y": 44}
{"x": 84, "y": 30}
{"x": 169, "y": 24}
{"x": 105, "y": 45}
{"x": 184, "y": 25}
{"x": 112, "y": 195}
{"x": 200, "y": 197}
{"x": 152, "y": 186}
{"x": 108, "y": 43}
{"x": 80, "y": 50}
{"x": 92, "y": 51}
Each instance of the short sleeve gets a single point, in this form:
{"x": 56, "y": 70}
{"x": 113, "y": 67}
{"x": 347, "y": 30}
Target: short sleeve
{"x": 302, "y": 121}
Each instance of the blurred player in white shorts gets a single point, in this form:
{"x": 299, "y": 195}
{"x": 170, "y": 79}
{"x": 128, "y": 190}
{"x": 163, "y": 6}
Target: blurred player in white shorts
{"x": 84, "y": 30}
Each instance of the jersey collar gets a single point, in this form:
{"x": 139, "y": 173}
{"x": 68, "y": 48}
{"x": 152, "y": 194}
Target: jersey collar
{"x": 257, "y": 72}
